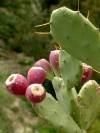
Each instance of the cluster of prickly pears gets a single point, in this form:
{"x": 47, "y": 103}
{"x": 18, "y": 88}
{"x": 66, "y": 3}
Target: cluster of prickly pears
{"x": 32, "y": 86}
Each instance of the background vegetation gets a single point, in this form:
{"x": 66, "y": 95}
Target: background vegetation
{"x": 18, "y": 18}
{"x": 20, "y": 47}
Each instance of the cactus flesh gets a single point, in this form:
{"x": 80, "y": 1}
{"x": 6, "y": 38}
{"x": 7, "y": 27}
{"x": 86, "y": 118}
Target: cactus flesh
{"x": 77, "y": 35}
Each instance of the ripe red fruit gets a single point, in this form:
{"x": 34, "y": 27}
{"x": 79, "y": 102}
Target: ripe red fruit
{"x": 87, "y": 73}
{"x": 35, "y": 93}
{"x": 44, "y": 64}
{"x": 36, "y": 75}
{"x": 16, "y": 84}
{"x": 54, "y": 59}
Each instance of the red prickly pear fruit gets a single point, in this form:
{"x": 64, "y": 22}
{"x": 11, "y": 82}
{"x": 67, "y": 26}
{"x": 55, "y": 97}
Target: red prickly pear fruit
{"x": 54, "y": 60}
{"x": 87, "y": 73}
{"x": 16, "y": 84}
{"x": 35, "y": 93}
{"x": 36, "y": 75}
{"x": 44, "y": 64}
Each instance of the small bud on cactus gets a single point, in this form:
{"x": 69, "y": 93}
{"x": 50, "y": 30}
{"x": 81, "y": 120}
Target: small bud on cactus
{"x": 44, "y": 64}
{"x": 54, "y": 60}
{"x": 35, "y": 93}
{"x": 36, "y": 75}
{"x": 16, "y": 84}
{"x": 87, "y": 73}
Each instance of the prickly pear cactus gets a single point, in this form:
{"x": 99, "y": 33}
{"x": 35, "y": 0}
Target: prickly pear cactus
{"x": 58, "y": 112}
{"x": 76, "y": 34}
{"x": 71, "y": 110}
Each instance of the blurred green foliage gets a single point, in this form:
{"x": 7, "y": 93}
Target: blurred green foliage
{"x": 18, "y": 18}
{"x": 44, "y": 127}
{"x": 17, "y": 21}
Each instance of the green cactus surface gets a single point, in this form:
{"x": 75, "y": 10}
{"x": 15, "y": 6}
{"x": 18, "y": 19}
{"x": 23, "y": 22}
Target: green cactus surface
{"x": 87, "y": 104}
{"x": 73, "y": 111}
{"x": 77, "y": 35}
{"x": 50, "y": 110}
{"x": 62, "y": 93}
{"x": 70, "y": 69}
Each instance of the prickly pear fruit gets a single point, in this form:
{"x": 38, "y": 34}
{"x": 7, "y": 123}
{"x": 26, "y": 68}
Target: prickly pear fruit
{"x": 46, "y": 66}
{"x": 35, "y": 93}
{"x": 16, "y": 84}
{"x": 54, "y": 61}
{"x": 36, "y": 75}
{"x": 77, "y": 35}
{"x": 87, "y": 73}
